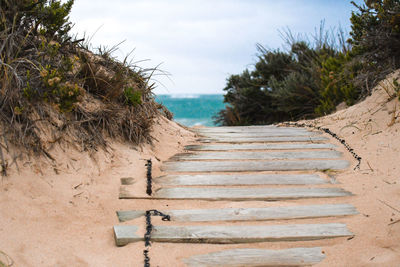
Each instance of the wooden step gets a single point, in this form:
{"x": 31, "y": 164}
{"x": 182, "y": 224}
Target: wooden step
{"x": 247, "y": 129}
{"x": 249, "y": 214}
{"x": 273, "y": 146}
{"x": 259, "y": 134}
{"x": 258, "y": 257}
{"x": 228, "y": 234}
{"x": 263, "y": 139}
{"x": 236, "y": 194}
{"x": 247, "y": 166}
{"x": 240, "y": 179}
{"x": 257, "y": 155}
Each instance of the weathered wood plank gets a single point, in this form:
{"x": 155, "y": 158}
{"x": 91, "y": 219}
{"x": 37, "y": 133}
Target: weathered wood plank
{"x": 241, "y": 129}
{"x": 257, "y": 155}
{"x": 273, "y": 146}
{"x": 227, "y": 234}
{"x": 240, "y": 179}
{"x": 263, "y": 139}
{"x": 259, "y": 134}
{"x": 241, "y": 166}
{"x": 249, "y": 214}
{"x": 124, "y": 234}
{"x": 127, "y": 215}
{"x": 258, "y": 257}
{"x": 248, "y": 193}
{"x": 236, "y": 194}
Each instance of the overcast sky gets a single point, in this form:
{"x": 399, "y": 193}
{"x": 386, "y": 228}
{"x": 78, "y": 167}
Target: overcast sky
{"x": 200, "y": 42}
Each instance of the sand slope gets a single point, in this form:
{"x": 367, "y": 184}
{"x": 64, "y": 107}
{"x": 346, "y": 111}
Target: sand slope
{"x": 66, "y": 219}
{"x": 372, "y": 128}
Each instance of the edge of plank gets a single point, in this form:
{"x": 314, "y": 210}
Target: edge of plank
{"x": 125, "y": 234}
{"x": 127, "y": 215}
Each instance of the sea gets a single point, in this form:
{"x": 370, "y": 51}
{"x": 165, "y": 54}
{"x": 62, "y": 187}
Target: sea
{"x": 193, "y": 109}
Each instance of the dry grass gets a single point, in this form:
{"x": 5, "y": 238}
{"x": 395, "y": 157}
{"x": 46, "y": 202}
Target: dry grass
{"x": 54, "y": 91}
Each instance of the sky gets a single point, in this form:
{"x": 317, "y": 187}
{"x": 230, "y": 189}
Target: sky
{"x": 199, "y": 43}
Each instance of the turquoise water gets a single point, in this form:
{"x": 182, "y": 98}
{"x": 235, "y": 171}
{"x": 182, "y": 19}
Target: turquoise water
{"x": 193, "y": 110}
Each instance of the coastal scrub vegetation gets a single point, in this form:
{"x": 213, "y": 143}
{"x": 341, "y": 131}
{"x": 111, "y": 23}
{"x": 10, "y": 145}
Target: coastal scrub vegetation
{"x": 54, "y": 89}
{"x": 317, "y": 72}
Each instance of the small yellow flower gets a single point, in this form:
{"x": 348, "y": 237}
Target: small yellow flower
{"x": 44, "y": 73}
{"x": 54, "y": 81}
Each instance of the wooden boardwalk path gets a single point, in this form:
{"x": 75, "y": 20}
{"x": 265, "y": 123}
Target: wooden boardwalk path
{"x": 248, "y": 165}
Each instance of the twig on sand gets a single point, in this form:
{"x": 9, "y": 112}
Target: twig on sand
{"x": 396, "y": 221}
{"x": 393, "y": 208}
{"x": 370, "y": 166}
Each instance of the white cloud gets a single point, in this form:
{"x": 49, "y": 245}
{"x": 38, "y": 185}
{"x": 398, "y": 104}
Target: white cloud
{"x": 200, "y": 41}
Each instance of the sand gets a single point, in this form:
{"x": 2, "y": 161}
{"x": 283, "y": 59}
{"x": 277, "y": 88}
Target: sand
{"x": 66, "y": 219}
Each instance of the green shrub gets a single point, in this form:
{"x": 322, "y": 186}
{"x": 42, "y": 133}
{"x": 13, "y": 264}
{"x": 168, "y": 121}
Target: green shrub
{"x": 375, "y": 38}
{"x": 46, "y": 17}
{"x": 337, "y": 74}
{"x": 282, "y": 86}
{"x": 132, "y": 97}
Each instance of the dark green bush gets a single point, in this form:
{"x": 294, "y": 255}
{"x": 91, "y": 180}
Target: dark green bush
{"x": 47, "y": 17}
{"x": 337, "y": 75}
{"x": 375, "y": 38}
{"x": 282, "y": 86}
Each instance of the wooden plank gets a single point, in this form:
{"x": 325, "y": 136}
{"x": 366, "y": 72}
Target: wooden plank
{"x": 258, "y": 257}
{"x": 236, "y": 194}
{"x": 241, "y": 166}
{"x": 124, "y": 234}
{"x": 127, "y": 215}
{"x": 242, "y": 129}
{"x": 272, "y": 146}
{"x": 263, "y": 139}
{"x": 257, "y": 155}
{"x": 223, "y": 193}
{"x": 240, "y": 179}
{"x": 249, "y": 214}
{"x": 256, "y": 134}
{"x": 228, "y": 234}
